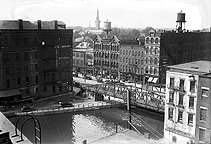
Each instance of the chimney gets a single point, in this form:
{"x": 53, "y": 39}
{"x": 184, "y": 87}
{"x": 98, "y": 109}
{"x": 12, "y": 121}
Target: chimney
{"x": 55, "y": 24}
{"x": 20, "y": 23}
{"x": 39, "y": 24}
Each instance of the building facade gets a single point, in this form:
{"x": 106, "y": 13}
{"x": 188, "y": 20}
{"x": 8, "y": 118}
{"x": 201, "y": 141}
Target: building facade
{"x": 35, "y": 58}
{"x": 83, "y": 59}
{"x": 188, "y": 103}
{"x": 106, "y": 54}
{"x": 131, "y": 62}
{"x": 152, "y": 56}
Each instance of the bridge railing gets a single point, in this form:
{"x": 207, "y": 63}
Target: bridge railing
{"x": 75, "y": 107}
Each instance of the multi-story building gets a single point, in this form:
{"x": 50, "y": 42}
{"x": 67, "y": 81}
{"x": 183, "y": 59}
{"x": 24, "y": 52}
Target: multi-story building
{"x": 131, "y": 62}
{"x": 83, "y": 59}
{"x": 188, "y": 103}
{"x": 181, "y": 46}
{"x": 35, "y": 58}
{"x": 106, "y": 54}
{"x": 152, "y": 56}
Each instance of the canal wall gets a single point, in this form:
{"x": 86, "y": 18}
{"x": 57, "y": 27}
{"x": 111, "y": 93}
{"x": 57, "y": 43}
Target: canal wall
{"x": 76, "y": 108}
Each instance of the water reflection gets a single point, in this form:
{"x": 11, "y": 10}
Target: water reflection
{"x": 73, "y": 128}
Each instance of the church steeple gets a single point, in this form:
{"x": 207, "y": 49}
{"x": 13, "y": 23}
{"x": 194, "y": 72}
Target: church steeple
{"x": 97, "y": 21}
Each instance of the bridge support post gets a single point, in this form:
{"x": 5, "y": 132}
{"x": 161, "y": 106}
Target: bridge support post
{"x": 129, "y": 93}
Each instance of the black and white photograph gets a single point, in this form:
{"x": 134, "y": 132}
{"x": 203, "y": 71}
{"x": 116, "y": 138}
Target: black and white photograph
{"x": 105, "y": 71}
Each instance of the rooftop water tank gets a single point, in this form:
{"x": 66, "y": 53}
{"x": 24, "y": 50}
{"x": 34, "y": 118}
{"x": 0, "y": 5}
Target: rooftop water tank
{"x": 181, "y": 17}
{"x": 107, "y": 26}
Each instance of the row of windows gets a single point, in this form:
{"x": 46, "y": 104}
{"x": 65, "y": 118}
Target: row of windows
{"x": 16, "y": 82}
{"x": 132, "y": 53}
{"x": 173, "y": 85}
{"x": 112, "y": 47}
{"x": 35, "y": 41}
{"x": 78, "y": 54}
{"x": 152, "y": 40}
{"x": 64, "y": 75}
{"x": 181, "y": 99}
{"x": 151, "y": 61}
{"x": 78, "y": 62}
{"x": 180, "y": 116}
{"x": 12, "y": 70}
{"x": 152, "y": 50}
{"x": 151, "y": 70}
{"x": 131, "y": 69}
{"x": 11, "y": 57}
{"x": 106, "y": 55}
{"x": 106, "y": 64}
{"x": 131, "y": 61}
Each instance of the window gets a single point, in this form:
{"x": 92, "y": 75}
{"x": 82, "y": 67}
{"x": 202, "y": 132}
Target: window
{"x": 17, "y": 56}
{"x": 171, "y": 82}
{"x": 181, "y": 84}
{"x": 203, "y": 113}
{"x": 18, "y": 81}
{"x": 201, "y": 134}
{"x": 180, "y": 99}
{"x": 180, "y": 116}
{"x": 36, "y": 78}
{"x": 191, "y": 102}
{"x": 7, "y": 83}
{"x": 192, "y": 86}
{"x": 190, "y": 119}
{"x": 170, "y": 116}
{"x": 27, "y": 80}
{"x": 204, "y": 94}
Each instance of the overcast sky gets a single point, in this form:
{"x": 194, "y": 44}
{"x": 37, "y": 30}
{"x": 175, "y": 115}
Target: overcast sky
{"x": 121, "y": 13}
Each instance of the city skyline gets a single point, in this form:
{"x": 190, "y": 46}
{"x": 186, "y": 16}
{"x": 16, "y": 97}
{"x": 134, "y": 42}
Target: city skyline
{"x": 122, "y": 13}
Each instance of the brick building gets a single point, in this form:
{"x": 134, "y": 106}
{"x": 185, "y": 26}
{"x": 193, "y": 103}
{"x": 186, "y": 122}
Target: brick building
{"x": 188, "y": 103}
{"x": 131, "y": 62}
{"x": 106, "y": 54}
{"x": 35, "y": 59}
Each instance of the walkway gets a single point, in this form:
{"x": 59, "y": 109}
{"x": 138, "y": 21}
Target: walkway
{"x": 77, "y": 106}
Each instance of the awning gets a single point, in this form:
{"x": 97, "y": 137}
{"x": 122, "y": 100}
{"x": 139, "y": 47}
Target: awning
{"x": 155, "y": 80}
{"x": 150, "y": 79}
{"x": 8, "y": 93}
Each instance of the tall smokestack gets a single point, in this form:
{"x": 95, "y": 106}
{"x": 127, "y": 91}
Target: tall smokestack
{"x": 39, "y": 24}
{"x": 55, "y": 24}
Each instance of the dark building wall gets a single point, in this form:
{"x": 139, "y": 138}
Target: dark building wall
{"x": 204, "y": 102}
{"x": 177, "y": 48}
{"x": 33, "y": 61}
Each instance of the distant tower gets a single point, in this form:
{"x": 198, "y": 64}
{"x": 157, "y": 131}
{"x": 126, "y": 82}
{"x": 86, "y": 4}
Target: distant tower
{"x": 107, "y": 27}
{"x": 180, "y": 21}
{"x": 97, "y": 22}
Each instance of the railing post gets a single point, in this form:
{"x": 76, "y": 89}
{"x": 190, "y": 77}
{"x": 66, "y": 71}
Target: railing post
{"x": 116, "y": 128}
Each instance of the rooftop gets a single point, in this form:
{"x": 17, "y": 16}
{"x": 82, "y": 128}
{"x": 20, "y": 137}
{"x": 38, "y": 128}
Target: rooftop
{"x": 200, "y": 67}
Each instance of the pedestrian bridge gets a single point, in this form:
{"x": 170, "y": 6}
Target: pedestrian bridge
{"x": 152, "y": 98}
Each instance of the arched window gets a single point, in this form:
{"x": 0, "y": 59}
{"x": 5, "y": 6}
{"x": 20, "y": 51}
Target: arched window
{"x": 147, "y": 40}
{"x": 146, "y": 60}
{"x": 139, "y": 53}
{"x": 146, "y": 70}
{"x": 151, "y": 71}
{"x": 155, "y": 61}
{"x": 152, "y": 40}
{"x": 156, "y": 40}
{"x": 151, "y": 60}
{"x": 156, "y": 51}
{"x": 142, "y": 62}
{"x": 142, "y": 53}
{"x": 155, "y": 71}
{"x": 151, "y": 50}
{"x": 147, "y": 50}
{"x": 123, "y": 52}
{"x": 142, "y": 71}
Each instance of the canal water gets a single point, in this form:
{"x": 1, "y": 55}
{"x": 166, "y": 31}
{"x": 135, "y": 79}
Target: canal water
{"x": 73, "y": 128}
